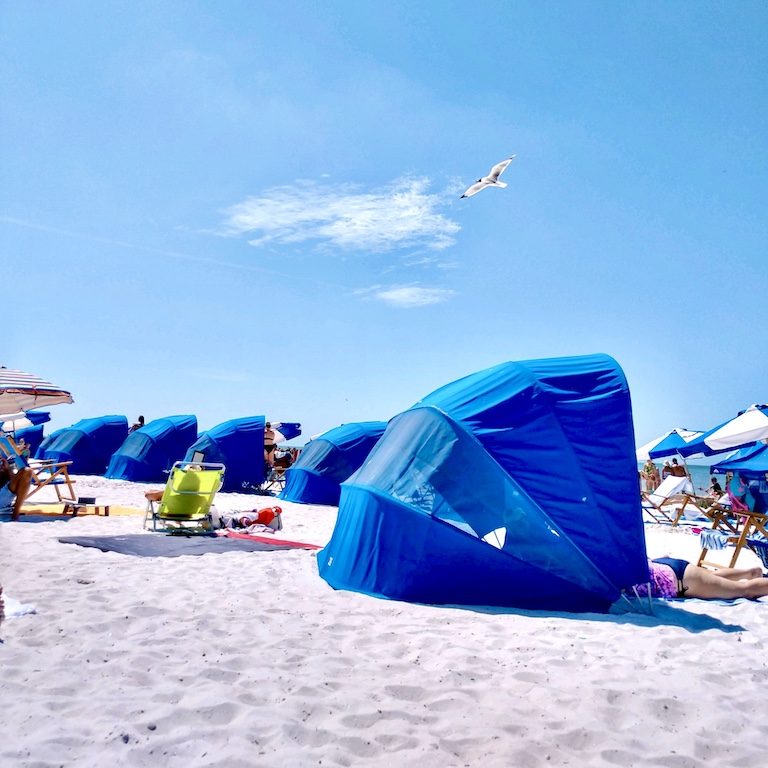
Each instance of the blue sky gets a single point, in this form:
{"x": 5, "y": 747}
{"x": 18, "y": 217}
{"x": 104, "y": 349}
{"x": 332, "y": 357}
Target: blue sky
{"x": 253, "y": 207}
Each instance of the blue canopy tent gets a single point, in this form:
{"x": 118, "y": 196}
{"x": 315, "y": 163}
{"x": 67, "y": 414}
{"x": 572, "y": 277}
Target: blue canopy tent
{"x": 751, "y": 462}
{"x": 47, "y": 440}
{"x": 148, "y": 452}
{"x": 88, "y": 444}
{"x": 32, "y": 436}
{"x": 328, "y": 460}
{"x": 515, "y": 486}
{"x": 239, "y": 445}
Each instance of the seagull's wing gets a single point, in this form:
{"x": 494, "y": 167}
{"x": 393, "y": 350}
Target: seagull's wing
{"x": 475, "y": 188}
{"x": 498, "y": 169}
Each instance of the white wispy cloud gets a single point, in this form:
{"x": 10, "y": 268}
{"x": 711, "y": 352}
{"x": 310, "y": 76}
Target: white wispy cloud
{"x": 401, "y": 214}
{"x": 408, "y": 296}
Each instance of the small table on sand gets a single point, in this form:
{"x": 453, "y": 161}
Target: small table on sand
{"x": 75, "y": 507}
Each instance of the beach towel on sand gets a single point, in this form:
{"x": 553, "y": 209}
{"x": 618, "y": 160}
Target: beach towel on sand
{"x": 145, "y": 545}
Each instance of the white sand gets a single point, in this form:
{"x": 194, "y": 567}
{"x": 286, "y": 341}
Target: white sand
{"x": 250, "y": 659}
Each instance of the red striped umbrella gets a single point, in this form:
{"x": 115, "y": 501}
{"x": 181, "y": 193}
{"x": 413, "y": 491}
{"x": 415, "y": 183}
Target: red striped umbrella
{"x": 19, "y": 392}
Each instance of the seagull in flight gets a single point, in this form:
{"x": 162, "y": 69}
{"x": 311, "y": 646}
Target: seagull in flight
{"x": 491, "y": 180}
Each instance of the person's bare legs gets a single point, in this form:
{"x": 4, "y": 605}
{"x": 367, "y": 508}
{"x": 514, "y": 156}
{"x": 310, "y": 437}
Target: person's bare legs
{"x": 739, "y": 574}
{"x": 699, "y": 582}
{"x": 19, "y": 485}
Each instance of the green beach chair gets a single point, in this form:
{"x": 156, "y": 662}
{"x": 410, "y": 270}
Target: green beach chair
{"x": 187, "y": 498}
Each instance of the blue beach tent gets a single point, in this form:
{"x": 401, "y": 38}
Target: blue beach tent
{"x": 515, "y": 486}
{"x": 751, "y": 461}
{"x": 88, "y": 444}
{"x": 47, "y": 440}
{"x": 328, "y": 460}
{"x": 32, "y": 436}
{"x": 148, "y": 452}
{"x": 238, "y": 444}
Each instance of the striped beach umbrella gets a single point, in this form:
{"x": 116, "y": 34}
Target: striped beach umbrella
{"x": 748, "y": 427}
{"x": 19, "y": 392}
{"x": 667, "y": 444}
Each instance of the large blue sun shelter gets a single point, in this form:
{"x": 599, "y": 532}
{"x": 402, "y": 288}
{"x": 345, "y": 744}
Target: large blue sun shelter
{"x": 46, "y": 441}
{"x": 88, "y": 444}
{"x": 149, "y": 452}
{"x": 33, "y": 436}
{"x": 515, "y": 486}
{"x": 238, "y": 444}
{"x": 328, "y": 460}
{"x": 751, "y": 461}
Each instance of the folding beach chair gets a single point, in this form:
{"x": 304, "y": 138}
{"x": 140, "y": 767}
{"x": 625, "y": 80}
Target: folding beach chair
{"x": 275, "y": 480}
{"x": 44, "y": 473}
{"x": 667, "y": 503}
{"x": 738, "y": 529}
{"x": 187, "y": 498}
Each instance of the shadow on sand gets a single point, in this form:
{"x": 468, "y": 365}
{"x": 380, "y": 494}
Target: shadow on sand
{"x": 665, "y": 613}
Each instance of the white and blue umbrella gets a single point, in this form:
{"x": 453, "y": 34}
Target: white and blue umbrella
{"x": 20, "y": 392}
{"x": 26, "y": 420}
{"x": 667, "y": 444}
{"x": 748, "y": 427}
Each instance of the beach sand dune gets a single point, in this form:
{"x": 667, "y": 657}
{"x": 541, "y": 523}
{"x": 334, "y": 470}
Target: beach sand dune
{"x": 250, "y": 659}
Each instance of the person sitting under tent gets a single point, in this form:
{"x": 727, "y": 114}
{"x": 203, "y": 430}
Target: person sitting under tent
{"x": 23, "y": 448}
{"x": 671, "y": 577}
{"x": 138, "y": 425}
{"x": 14, "y": 487}
{"x": 666, "y": 470}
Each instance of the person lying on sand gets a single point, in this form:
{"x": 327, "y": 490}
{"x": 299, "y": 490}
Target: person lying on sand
{"x": 679, "y": 578}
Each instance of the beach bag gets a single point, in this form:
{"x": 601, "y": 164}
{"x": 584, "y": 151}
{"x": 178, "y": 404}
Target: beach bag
{"x": 271, "y": 517}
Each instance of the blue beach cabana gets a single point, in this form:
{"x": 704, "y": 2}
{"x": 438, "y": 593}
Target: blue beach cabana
{"x": 328, "y": 460}
{"x": 752, "y": 462}
{"x": 46, "y": 441}
{"x": 515, "y": 486}
{"x": 88, "y": 444}
{"x": 33, "y": 436}
{"x": 238, "y": 444}
{"x": 148, "y": 452}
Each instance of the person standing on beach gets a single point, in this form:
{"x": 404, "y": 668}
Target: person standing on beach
{"x": 677, "y": 470}
{"x": 650, "y": 474}
{"x": 269, "y": 445}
